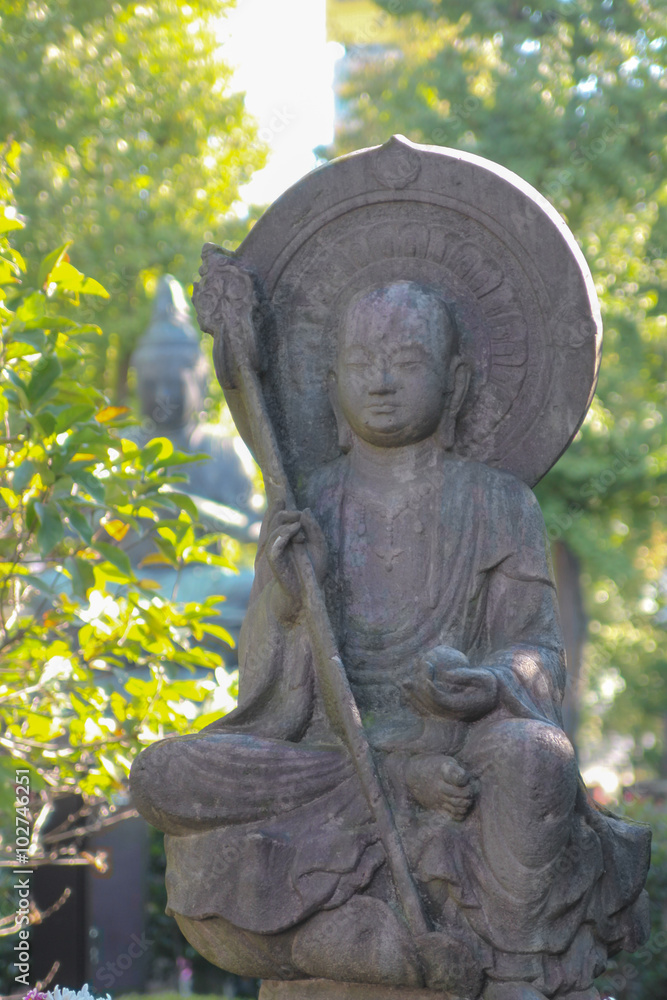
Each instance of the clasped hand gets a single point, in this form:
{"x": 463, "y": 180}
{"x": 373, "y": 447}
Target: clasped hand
{"x": 286, "y": 528}
{"x": 445, "y": 684}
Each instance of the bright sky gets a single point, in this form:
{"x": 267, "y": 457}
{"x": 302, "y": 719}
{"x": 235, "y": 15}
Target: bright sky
{"x": 285, "y": 66}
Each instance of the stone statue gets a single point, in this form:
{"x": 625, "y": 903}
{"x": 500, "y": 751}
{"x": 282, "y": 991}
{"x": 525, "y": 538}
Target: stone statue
{"x": 408, "y": 340}
{"x": 172, "y": 382}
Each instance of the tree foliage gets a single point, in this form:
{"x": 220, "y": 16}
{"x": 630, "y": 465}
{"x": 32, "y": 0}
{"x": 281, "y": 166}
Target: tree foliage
{"x": 133, "y": 145}
{"x": 95, "y": 661}
{"x": 572, "y": 95}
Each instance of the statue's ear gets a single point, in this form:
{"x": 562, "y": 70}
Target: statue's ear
{"x": 459, "y": 382}
{"x": 344, "y": 429}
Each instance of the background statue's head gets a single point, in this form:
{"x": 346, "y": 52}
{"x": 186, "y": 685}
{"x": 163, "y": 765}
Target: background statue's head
{"x": 172, "y": 372}
{"x": 399, "y": 375}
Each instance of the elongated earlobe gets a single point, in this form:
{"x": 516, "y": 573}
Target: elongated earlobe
{"x": 344, "y": 429}
{"x": 459, "y": 382}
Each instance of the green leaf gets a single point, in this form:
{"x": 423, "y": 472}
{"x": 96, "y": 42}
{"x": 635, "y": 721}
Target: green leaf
{"x": 157, "y": 448}
{"x": 12, "y": 155}
{"x": 8, "y": 219}
{"x": 200, "y": 555}
{"x": 155, "y": 559}
{"x": 83, "y": 576}
{"x": 206, "y": 719}
{"x": 111, "y": 768}
{"x": 179, "y": 458}
{"x": 80, "y": 523}
{"x": 32, "y": 307}
{"x": 62, "y": 487}
{"x": 93, "y": 486}
{"x": 129, "y": 448}
{"x": 46, "y": 371}
{"x": 84, "y": 328}
{"x": 8, "y": 272}
{"x": 45, "y": 321}
{"x": 118, "y": 706}
{"x": 50, "y": 261}
{"x": 181, "y": 501}
{"x": 219, "y": 632}
{"x": 51, "y": 530}
{"x": 8, "y": 768}
{"x": 34, "y": 338}
{"x": 16, "y": 381}
{"x": 92, "y": 287}
{"x": 167, "y": 549}
{"x": 138, "y": 688}
{"x": 115, "y": 556}
{"x": 38, "y": 583}
{"x": 30, "y": 515}
{"x": 22, "y": 475}
{"x": 71, "y": 415}
{"x": 45, "y": 423}
{"x": 69, "y": 279}
{"x": 18, "y": 349}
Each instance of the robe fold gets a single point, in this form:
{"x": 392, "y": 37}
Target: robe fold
{"x": 282, "y": 828}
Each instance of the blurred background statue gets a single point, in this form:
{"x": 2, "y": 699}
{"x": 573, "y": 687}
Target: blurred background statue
{"x": 173, "y": 376}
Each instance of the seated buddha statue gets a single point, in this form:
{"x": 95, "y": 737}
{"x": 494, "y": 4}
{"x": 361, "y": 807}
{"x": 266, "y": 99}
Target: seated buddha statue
{"x": 436, "y": 575}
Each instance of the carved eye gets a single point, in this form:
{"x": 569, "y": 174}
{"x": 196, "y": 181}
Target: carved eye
{"x": 407, "y": 358}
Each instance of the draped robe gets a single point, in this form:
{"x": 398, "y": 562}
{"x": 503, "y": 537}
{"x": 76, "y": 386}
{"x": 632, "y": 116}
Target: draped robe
{"x": 265, "y": 817}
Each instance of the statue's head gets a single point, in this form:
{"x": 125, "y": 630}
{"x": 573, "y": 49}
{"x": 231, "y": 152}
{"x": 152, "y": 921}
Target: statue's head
{"x": 171, "y": 369}
{"x": 399, "y": 375}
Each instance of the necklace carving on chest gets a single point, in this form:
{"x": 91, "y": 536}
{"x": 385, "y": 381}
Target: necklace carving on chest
{"x": 391, "y": 525}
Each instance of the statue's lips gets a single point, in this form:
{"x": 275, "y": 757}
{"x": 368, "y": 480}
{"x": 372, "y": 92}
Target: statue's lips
{"x": 380, "y": 408}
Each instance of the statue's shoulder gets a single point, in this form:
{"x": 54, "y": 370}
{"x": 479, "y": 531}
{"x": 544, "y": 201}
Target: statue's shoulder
{"x": 505, "y": 515}
{"x": 494, "y": 487}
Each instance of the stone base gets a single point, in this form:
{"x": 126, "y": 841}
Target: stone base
{"x": 327, "y": 989}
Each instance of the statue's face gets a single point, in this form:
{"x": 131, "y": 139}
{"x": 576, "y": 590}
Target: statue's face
{"x": 163, "y": 396}
{"x": 393, "y": 369}
{"x": 170, "y": 392}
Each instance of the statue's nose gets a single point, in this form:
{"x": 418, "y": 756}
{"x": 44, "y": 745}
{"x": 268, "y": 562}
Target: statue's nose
{"x": 383, "y": 382}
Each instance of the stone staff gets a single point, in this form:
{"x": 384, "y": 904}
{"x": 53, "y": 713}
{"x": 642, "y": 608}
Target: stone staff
{"x": 224, "y": 302}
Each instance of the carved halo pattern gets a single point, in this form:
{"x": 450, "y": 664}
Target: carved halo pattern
{"x": 486, "y": 240}
{"x": 366, "y": 254}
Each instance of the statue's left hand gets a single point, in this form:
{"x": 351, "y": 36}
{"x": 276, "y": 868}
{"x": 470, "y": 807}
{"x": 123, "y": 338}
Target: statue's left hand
{"x": 444, "y": 683}
{"x": 440, "y": 783}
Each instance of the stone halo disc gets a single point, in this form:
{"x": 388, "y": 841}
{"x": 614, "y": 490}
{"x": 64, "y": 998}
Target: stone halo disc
{"x": 491, "y": 245}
